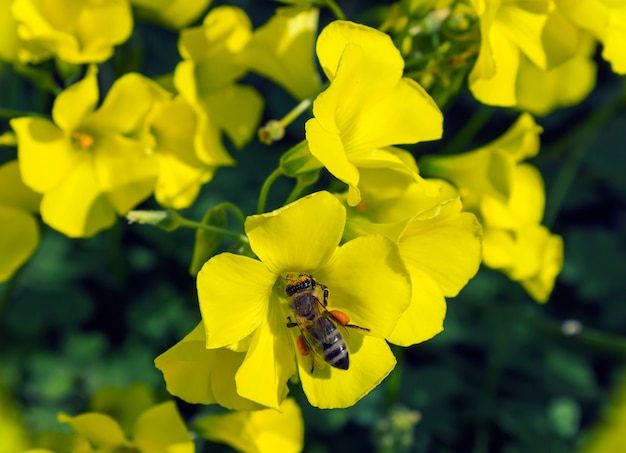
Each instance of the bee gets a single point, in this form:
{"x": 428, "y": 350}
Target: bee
{"x": 322, "y": 333}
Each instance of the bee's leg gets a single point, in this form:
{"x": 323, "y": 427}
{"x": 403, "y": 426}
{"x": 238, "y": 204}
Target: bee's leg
{"x": 325, "y": 293}
{"x": 290, "y": 323}
{"x": 344, "y": 320}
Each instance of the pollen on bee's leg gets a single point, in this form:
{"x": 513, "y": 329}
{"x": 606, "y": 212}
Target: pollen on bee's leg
{"x": 302, "y": 349}
{"x": 341, "y": 317}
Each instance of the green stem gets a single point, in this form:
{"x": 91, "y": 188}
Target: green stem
{"x": 297, "y": 191}
{"x": 334, "y": 7}
{"x": 235, "y": 210}
{"x": 266, "y": 188}
{"x": 295, "y": 112}
{"x": 581, "y": 142}
{"x": 186, "y": 223}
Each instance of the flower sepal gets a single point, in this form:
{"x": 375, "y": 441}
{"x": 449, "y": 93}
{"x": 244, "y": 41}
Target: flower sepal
{"x": 299, "y": 160}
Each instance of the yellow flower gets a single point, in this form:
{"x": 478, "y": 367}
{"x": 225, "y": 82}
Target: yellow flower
{"x": 188, "y": 149}
{"x": 213, "y": 60}
{"x": 19, "y": 232}
{"x": 439, "y": 244}
{"x": 265, "y": 431}
{"x": 90, "y": 163}
{"x": 508, "y": 30}
{"x": 75, "y": 32}
{"x": 282, "y": 50}
{"x": 508, "y": 198}
{"x": 155, "y": 430}
{"x": 607, "y": 434}
{"x": 9, "y": 41}
{"x": 174, "y": 14}
{"x": 541, "y": 91}
{"x": 245, "y": 312}
{"x": 606, "y": 20}
{"x": 368, "y": 105}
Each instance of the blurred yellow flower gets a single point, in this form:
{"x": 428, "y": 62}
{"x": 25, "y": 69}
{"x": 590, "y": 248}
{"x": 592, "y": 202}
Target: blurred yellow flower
{"x": 508, "y": 30}
{"x": 213, "y": 59}
{"x": 439, "y": 244}
{"x": 606, "y": 20}
{"x": 368, "y": 105}
{"x": 174, "y": 14}
{"x": 91, "y": 163}
{"x": 508, "y": 198}
{"x": 607, "y": 434}
{"x": 19, "y": 231}
{"x": 156, "y": 430}
{"x": 282, "y": 50}
{"x": 75, "y": 32}
{"x": 245, "y": 312}
{"x": 264, "y": 431}
{"x": 188, "y": 149}
{"x": 541, "y": 91}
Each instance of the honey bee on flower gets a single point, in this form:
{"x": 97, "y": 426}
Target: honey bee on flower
{"x": 322, "y": 333}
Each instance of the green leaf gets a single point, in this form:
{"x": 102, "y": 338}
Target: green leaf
{"x": 207, "y": 241}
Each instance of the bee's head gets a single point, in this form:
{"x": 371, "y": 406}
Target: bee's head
{"x": 300, "y": 283}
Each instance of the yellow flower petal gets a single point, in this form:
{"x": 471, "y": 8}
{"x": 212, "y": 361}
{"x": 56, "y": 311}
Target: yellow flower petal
{"x": 19, "y": 237}
{"x": 76, "y": 207}
{"x": 45, "y": 154}
{"x": 160, "y": 428}
{"x": 241, "y": 123}
{"x": 265, "y": 431}
{"x": 523, "y": 23}
{"x": 496, "y": 87}
{"x": 484, "y": 171}
{"x": 615, "y": 43}
{"x": 124, "y": 171}
{"x": 13, "y": 192}
{"x": 281, "y": 50}
{"x": 99, "y": 429}
{"x": 540, "y": 285}
{"x": 424, "y": 317}
{"x": 300, "y": 236}
{"x": 328, "y": 146}
{"x": 532, "y": 256}
{"x": 203, "y": 376}
{"x": 76, "y": 32}
{"x": 127, "y": 104}
{"x": 541, "y": 92}
{"x": 216, "y": 47}
{"x": 174, "y": 14}
{"x": 371, "y": 361}
{"x": 73, "y": 104}
{"x": 181, "y": 173}
{"x": 233, "y": 291}
{"x": 368, "y": 281}
{"x": 335, "y": 37}
{"x": 368, "y": 104}
{"x": 9, "y": 42}
{"x": 521, "y": 140}
{"x": 427, "y": 245}
{"x": 525, "y": 206}
{"x": 269, "y": 363}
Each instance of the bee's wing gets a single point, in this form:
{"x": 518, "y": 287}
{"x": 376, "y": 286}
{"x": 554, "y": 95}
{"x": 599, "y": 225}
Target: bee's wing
{"x": 314, "y": 347}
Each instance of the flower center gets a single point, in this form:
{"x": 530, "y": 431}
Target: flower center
{"x": 82, "y": 140}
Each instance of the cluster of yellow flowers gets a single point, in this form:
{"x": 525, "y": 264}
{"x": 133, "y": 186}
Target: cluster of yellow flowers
{"x": 386, "y": 249}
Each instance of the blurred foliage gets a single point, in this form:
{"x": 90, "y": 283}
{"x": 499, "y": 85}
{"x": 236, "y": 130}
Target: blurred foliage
{"x": 506, "y": 374}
